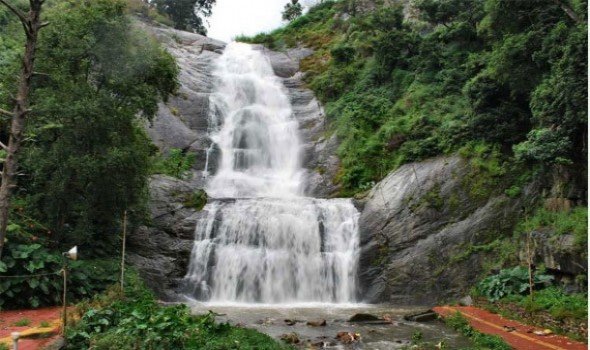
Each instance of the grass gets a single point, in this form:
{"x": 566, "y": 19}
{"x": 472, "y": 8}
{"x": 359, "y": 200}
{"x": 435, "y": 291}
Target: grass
{"x": 23, "y": 322}
{"x": 480, "y": 340}
{"x": 44, "y": 324}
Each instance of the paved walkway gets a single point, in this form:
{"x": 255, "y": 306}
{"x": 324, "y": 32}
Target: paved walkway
{"x": 33, "y": 335}
{"x": 518, "y": 335}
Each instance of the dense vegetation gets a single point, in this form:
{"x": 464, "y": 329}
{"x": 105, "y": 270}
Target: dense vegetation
{"x": 86, "y": 158}
{"x": 136, "y": 321}
{"x": 403, "y": 87}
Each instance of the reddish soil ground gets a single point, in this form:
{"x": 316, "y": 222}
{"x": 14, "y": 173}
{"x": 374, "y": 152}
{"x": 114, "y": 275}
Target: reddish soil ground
{"x": 49, "y": 315}
{"x": 518, "y": 335}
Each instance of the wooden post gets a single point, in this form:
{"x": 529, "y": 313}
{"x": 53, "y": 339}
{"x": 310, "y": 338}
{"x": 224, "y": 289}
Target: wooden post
{"x": 65, "y": 310}
{"x": 123, "y": 252}
{"x": 529, "y": 257}
{"x": 530, "y": 263}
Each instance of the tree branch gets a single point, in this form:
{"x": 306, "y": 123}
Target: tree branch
{"x": 4, "y": 147}
{"x": 5, "y": 112}
{"x": 23, "y": 18}
{"x": 568, "y": 10}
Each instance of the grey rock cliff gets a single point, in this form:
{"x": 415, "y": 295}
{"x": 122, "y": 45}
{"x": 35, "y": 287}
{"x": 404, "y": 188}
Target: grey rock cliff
{"x": 161, "y": 251}
{"x": 417, "y": 228}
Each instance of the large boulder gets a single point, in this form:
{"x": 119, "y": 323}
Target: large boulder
{"x": 420, "y": 229}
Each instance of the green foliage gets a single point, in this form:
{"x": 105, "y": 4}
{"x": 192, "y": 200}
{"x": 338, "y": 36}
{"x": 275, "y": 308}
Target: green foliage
{"x": 500, "y": 73}
{"x": 417, "y": 337}
{"x": 559, "y": 304}
{"x": 292, "y": 10}
{"x": 513, "y": 281}
{"x": 40, "y": 281}
{"x": 186, "y": 14}
{"x": 481, "y": 341}
{"x": 139, "y": 322}
{"x": 86, "y": 157}
{"x": 196, "y": 200}
{"x": 176, "y": 163}
{"x": 23, "y": 322}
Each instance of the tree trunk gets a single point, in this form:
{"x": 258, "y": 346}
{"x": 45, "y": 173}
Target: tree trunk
{"x": 32, "y": 24}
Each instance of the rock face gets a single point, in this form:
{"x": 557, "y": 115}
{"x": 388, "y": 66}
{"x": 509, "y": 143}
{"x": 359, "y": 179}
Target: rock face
{"x": 161, "y": 251}
{"x": 183, "y": 122}
{"x": 558, "y": 253}
{"x": 418, "y": 228}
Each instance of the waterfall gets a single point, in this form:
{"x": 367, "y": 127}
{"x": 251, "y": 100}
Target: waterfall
{"x": 261, "y": 240}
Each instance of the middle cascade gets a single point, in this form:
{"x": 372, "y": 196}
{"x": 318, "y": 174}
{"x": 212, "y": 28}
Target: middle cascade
{"x": 261, "y": 241}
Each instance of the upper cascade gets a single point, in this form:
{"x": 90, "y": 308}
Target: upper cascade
{"x": 253, "y": 126}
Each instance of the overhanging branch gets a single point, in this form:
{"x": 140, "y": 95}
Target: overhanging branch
{"x": 23, "y": 18}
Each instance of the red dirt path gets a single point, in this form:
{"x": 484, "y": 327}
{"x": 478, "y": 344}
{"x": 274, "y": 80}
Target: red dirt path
{"x": 8, "y": 318}
{"x": 521, "y": 338}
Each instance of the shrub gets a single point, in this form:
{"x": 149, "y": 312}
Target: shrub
{"x": 510, "y": 282}
{"x": 137, "y": 321}
{"x": 177, "y": 163}
{"x": 41, "y": 284}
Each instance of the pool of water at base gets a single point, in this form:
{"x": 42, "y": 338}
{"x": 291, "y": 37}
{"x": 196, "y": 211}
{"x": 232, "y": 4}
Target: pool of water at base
{"x": 270, "y": 319}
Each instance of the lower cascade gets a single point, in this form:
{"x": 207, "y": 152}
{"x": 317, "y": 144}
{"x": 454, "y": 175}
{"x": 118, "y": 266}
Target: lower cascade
{"x": 261, "y": 241}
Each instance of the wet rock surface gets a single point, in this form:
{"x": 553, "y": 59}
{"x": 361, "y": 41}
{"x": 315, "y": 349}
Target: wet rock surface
{"x": 160, "y": 252}
{"x": 416, "y": 227}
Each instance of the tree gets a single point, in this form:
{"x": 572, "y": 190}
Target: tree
{"x": 186, "y": 14}
{"x": 31, "y": 23}
{"x": 87, "y": 157}
{"x": 292, "y": 10}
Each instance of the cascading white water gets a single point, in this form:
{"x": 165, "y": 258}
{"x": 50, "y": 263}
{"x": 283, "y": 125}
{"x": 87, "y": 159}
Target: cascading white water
{"x": 261, "y": 241}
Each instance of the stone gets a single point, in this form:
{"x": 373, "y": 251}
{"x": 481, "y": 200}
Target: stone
{"x": 317, "y": 323}
{"x": 424, "y": 316}
{"x": 348, "y": 337}
{"x": 290, "y": 338}
{"x": 290, "y": 322}
{"x": 364, "y": 318}
{"x": 466, "y": 301}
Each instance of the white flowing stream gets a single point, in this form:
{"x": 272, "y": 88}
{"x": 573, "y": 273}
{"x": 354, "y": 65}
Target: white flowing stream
{"x": 261, "y": 240}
